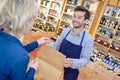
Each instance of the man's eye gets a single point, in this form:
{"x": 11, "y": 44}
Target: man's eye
{"x": 79, "y": 17}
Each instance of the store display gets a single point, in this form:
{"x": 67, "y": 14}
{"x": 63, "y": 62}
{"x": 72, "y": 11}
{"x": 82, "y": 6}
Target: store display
{"x": 112, "y": 11}
{"x": 117, "y": 36}
{"x": 63, "y": 26}
{"x": 115, "y": 46}
{"x": 74, "y": 2}
{"x": 91, "y": 5}
{"x": 56, "y": 6}
{"x": 103, "y": 41}
{"x": 87, "y": 25}
{"x": 67, "y": 18}
{"x": 106, "y": 61}
{"x": 97, "y": 55}
{"x": 118, "y": 14}
{"x": 105, "y": 32}
{"x": 109, "y": 29}
{"x": 109, "y": 22}
{"x": 70, "y": 10}
{"x": 50, "y": 11}
{"x": 51, "y": 20}
{"x": 53, "y": 13}
{"x": 46, "y": 3}
{"x": 43, "y": 10}
{"x": 66, "y": 15}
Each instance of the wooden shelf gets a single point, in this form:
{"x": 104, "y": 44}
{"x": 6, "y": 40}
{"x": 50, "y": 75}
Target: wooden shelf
{"x": 114, "y": 51}
{"x": 71, "y": 5}
{"x": 42, "y": 13}
{"x": 67, "y": 13}
{"x": 116, "y": 41}
{"x": 41, "y": 19}
{"x": 50, "y": 23}
{"x": 56, "y": 1}
{"x": 107, "y": 27}
{"x": 111, "y": 17}
{"x": 53, "y": 9}
{"x": 113, "y": 4}
{"x": 51, "y": 16}
{"x": 43, "y": 6}
{"x": 101, "y": 45}
{"x": 103, "y": 36}
{"x": 65, "y": 21}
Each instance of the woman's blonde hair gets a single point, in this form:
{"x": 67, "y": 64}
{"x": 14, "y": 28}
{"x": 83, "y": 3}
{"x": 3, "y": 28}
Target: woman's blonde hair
{"x": 15, "y": 13}
{"x": 2, "y": 4}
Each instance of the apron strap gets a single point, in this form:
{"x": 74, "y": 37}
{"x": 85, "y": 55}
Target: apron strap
{"x": 82, "y": 38}
{"x": 67, "y": 34}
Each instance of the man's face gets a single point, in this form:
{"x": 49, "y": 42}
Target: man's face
{"x": 78, "y": 19}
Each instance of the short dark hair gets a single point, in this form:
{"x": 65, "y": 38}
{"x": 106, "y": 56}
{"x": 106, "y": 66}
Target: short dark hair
{"x": 83, "y": 9}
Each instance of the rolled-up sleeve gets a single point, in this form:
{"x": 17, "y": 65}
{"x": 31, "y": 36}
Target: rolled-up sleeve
{"x": 86, "y": 53}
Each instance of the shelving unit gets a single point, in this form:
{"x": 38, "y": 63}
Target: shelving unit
{"x": 92, "y": 6}
{"x": 107, "y": 34}
{"x": 48, "y": 18}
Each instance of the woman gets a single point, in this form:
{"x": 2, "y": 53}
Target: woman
{"x": 16, "y": 18}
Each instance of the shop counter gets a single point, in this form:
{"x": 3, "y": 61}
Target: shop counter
{"x": 97, "y": 71}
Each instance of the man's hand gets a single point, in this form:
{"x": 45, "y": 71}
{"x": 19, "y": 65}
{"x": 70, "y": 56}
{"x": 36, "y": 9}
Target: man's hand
{"x": 67, "y": 62}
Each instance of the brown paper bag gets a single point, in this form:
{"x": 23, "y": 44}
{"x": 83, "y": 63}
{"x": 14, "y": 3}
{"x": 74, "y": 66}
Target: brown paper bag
{"x": 50, "y": 61}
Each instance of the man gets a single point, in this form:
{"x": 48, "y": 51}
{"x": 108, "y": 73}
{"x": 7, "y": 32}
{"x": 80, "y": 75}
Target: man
{"x": 76, "y": 44}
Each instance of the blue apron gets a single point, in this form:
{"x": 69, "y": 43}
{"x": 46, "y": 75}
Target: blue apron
{"x": 71, "y": 51}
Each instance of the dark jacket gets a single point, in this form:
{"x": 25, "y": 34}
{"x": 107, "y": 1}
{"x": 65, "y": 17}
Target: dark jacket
{"x": 14, "y": 58}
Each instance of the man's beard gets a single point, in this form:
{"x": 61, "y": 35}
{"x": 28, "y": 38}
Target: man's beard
{"x": 76, "y": 27}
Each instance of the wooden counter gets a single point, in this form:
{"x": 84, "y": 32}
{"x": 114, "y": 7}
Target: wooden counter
{"x": 93, "y": 71}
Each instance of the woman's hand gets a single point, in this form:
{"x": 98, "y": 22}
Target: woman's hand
{"x": 43, "y": 40}
{"x": 34, "y": 64}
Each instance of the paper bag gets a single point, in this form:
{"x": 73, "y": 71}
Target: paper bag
{"x": 50, "y": 61}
